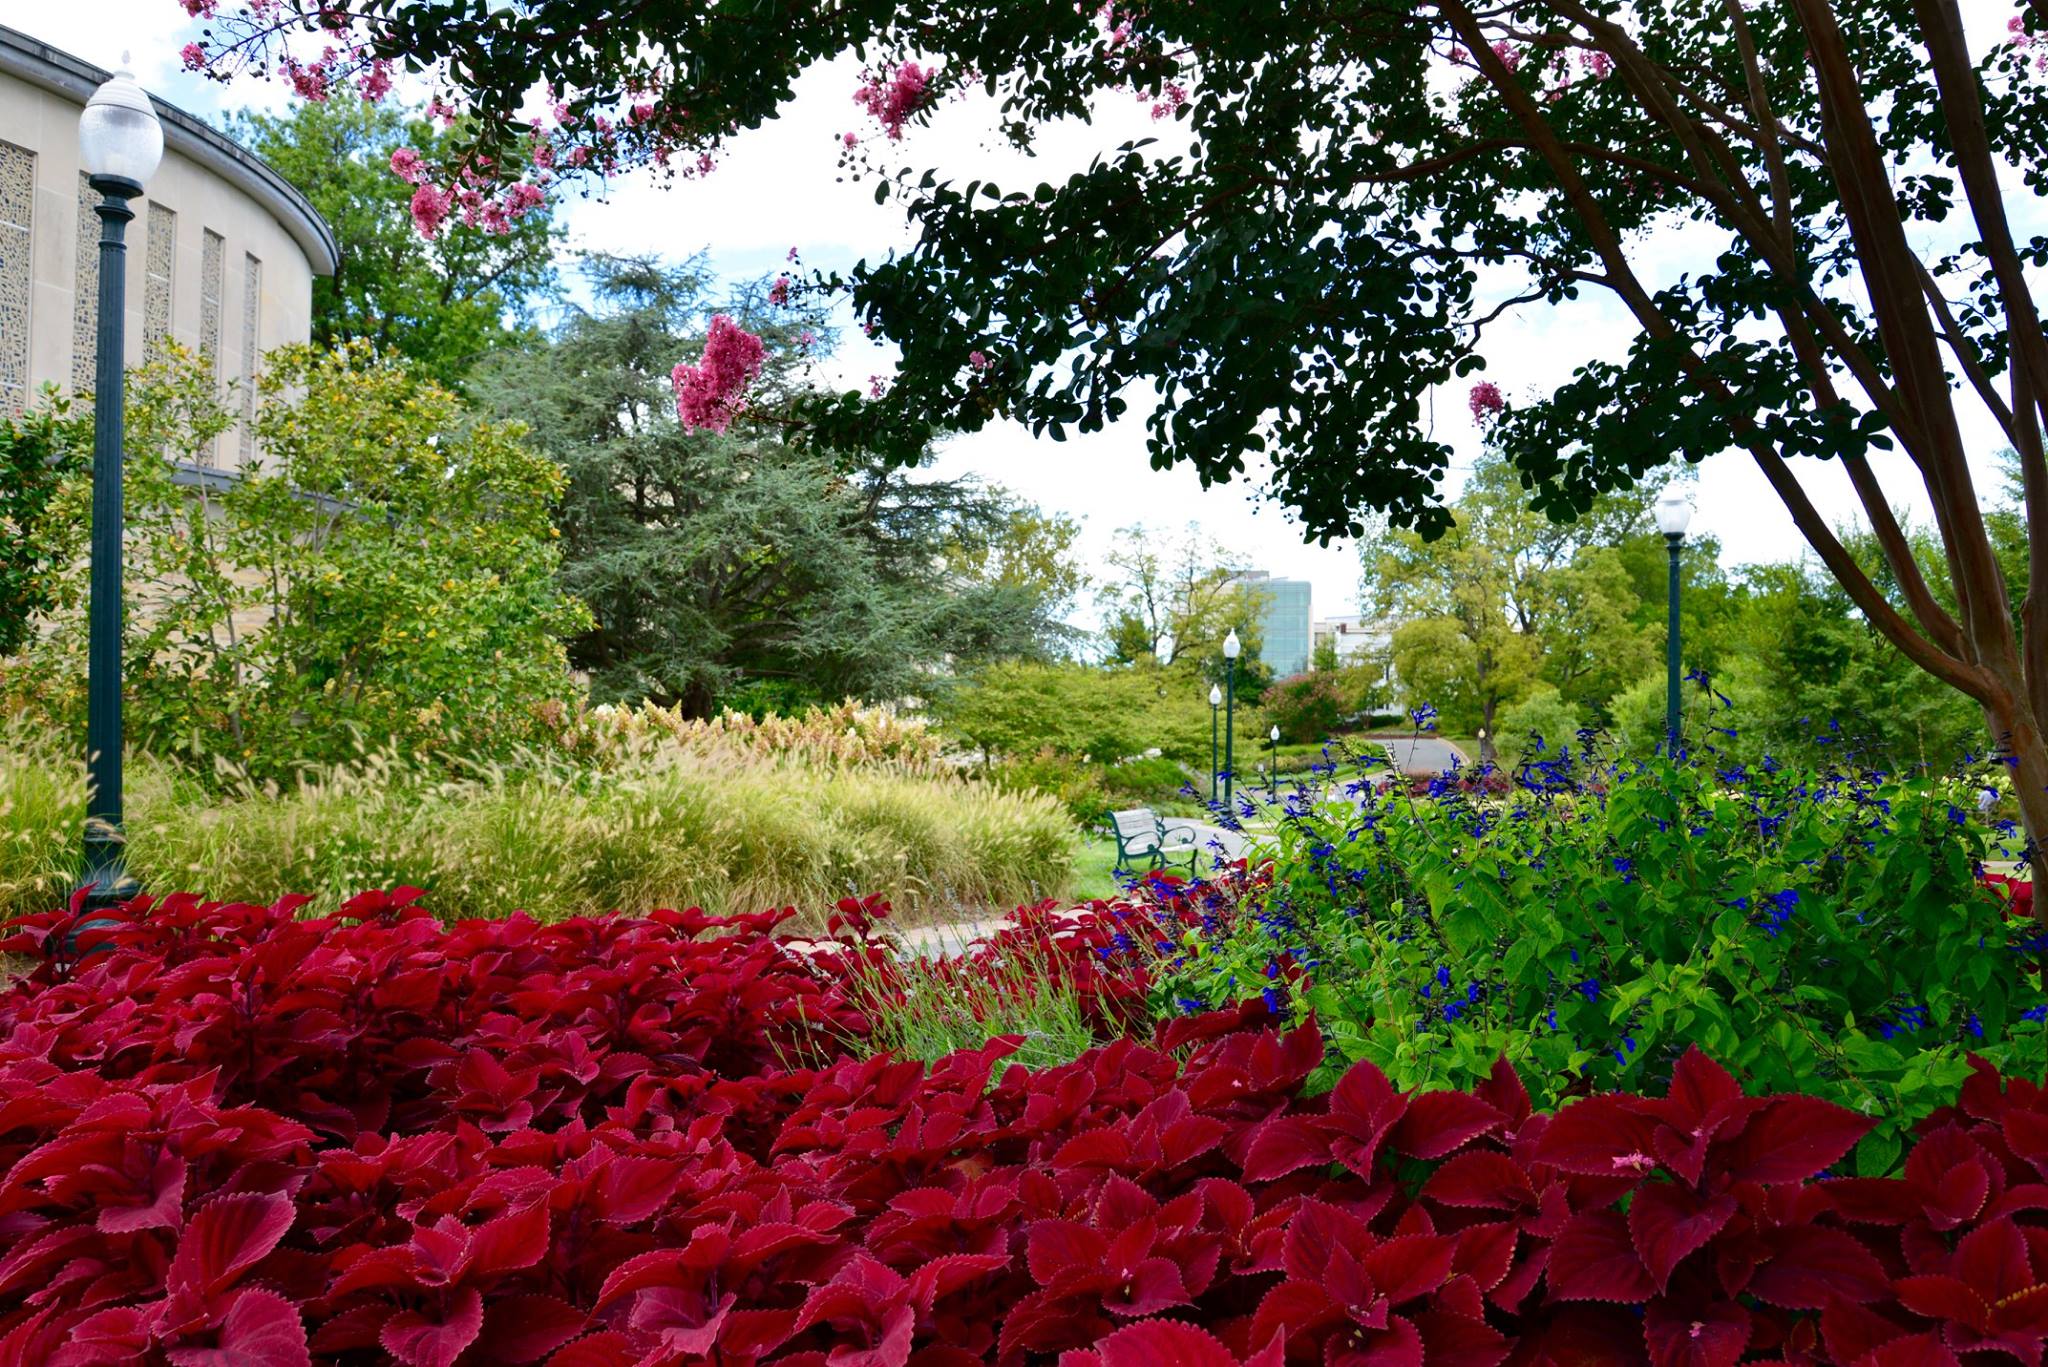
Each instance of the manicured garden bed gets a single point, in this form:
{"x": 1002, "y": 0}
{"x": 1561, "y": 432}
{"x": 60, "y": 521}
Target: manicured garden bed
{"x": 229, "y": 1135}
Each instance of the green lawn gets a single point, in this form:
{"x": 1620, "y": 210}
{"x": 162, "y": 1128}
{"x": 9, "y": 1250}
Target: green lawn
{"x": 1094, "y": 874}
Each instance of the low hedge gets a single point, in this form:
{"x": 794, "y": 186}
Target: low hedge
{"x": 234, "y": 1136}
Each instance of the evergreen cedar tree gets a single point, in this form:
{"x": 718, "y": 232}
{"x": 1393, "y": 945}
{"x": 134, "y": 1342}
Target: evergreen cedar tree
{"x": 1306, "y": 298}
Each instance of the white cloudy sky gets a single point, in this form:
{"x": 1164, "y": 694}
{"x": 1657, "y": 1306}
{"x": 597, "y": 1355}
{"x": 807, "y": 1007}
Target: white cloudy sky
{"x": 777, "y": 188}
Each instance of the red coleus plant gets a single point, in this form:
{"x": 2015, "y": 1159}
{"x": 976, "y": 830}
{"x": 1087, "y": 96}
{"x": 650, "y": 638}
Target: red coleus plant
{"x": 228, "y": 1136}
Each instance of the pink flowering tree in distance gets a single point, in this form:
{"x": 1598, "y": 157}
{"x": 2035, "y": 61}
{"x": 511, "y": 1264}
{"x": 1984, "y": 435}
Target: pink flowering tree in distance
{"x": 1356, "y": 191}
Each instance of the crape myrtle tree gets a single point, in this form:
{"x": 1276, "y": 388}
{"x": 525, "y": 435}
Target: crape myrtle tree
{"x": 1321, "y": 243}
{"x": 444, "y": 303}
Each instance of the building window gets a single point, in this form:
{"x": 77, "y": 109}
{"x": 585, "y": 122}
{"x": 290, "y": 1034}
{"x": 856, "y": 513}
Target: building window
{"x": 85, "y": 298}
{"x": 212, "y": 266}
{"x": 252, "y": 296}
{"x": 162, "y": 257}
{"x": 17, "y": 207}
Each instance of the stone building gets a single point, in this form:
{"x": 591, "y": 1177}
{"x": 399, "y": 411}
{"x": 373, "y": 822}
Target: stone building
{"x": 221, "y": 254}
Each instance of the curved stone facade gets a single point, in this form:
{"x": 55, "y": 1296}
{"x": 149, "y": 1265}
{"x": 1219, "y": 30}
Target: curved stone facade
{"x": 221, "y": 254}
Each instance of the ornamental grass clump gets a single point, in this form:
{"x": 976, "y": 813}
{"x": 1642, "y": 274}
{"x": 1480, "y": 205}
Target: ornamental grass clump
{"x": 733, "y": 829}
{"x": 1820, "y": 931}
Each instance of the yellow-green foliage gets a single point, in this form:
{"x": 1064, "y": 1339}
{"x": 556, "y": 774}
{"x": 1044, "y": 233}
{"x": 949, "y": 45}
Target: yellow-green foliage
{"x": 851, "y": 733}
{"x": 675, "y": 828}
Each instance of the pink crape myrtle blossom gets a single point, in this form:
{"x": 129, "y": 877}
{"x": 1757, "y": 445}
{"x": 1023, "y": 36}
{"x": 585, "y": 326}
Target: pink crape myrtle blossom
{"x": 978, "y": 359}
{"x": 1486, "y": 402}
{"x": 444, "y": 114}
{"x": 200, "y": 9}
{"x": 876, "y": 388}
{"x": 374, "y": 84}
{"x": 893, "y": 99}
{"x": 430, "y": 210}
{"x": 193, "y": 56}
{"x": 1172, "y": 98}
{"x": 778, "y": 293}
{"x": 1597, "y": 64}
{"x": 308, "y": 80}
{"x": 709, "y": 394}
{"x": 1510, "y": 55}
{"x": 407, "y": 166}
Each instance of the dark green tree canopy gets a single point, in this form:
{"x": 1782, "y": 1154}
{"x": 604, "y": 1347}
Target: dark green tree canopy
{"x": 729, "y": 567}
{"x": 443, "y": 304}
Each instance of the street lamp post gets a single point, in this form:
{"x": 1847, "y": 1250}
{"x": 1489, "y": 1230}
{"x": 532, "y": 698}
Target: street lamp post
{"x": 1231, "y": 647}
{"x": 1674, "y": 514}
{"x": 1273, "y": 762}
{"x": 1215, "y": 701}
{"x": 120, "y": 143}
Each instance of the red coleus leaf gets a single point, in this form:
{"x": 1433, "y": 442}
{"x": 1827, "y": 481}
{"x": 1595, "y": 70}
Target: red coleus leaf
{"x": 1704, "y": 1336}
{"x": 1793, "y": 1138}
{"x": 1810, "y": 1267}
{"x": 516, "y": 1239}
{"x": 1994, "y": 1260}
{"x": 421, "y": 1340}
{"x": 258, "y": 1329}
{"x": 1594, "y": 1259}
{"x": 162, "y": 1206}
{"x": 1410, "y": 1265}
{"x": 1316, "y": 1233}
{"x": 1460, "y": 1340}
{"x": 1284, "y": 1144}
{"x": 1920, "y": 1350}
{"x": 1600, "y": 1136}
{"x": 609, "y": 1348}
{"x": 1438, "y": 1123}
{"x": 1940, "y": 1297}
{"x": 1161, "y": 1343}
{"x": 226, "y": 1236}
{"x": 1853, "y": 1332}
{"x": 1481, "y": 1178}
{"x": 1668, "y": 1221}
{"x": 520, "y": 1329}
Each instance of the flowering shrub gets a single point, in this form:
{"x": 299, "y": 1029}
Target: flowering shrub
{"x": 1823, "y": 933}
{"x": 233, "y": 1138}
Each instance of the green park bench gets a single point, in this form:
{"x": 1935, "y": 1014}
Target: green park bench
{"x": 1143, "y": 839}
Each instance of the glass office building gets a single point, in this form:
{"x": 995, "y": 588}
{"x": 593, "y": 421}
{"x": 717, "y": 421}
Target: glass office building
{"x": 1285, "y": 621}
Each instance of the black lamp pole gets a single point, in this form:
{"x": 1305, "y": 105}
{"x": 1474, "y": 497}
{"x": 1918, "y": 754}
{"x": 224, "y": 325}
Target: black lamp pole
{"x": 1229, "y": 726}
{"x": 1673, "y": 540}
{"x": 106, "y": 878}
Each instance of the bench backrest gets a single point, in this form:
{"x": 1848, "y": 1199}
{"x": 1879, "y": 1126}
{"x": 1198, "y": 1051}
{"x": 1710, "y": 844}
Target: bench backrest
{"x": 1137, "y": 828}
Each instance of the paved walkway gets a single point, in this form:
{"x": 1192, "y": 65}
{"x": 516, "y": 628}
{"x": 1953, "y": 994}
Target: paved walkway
{"x": 954, "y": 937}
{"x": 1424, "y": 756}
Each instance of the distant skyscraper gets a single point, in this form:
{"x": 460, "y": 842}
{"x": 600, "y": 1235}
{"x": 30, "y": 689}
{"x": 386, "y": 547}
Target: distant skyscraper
{"x": 1285, "y": 620}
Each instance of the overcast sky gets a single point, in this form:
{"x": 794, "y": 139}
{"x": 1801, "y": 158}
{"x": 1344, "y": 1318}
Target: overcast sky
{"x": 776, "y": 188}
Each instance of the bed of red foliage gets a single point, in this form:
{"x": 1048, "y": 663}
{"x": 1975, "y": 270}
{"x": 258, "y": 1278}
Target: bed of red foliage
{"x": 231, "y": 1137}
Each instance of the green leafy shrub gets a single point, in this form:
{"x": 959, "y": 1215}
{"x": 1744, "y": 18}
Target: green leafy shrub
{"x": 1822, "y": 932}
{"x": 39, "y": 451}
{"x": 1543, "y": 714}
{"x": 388, "y": 572}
